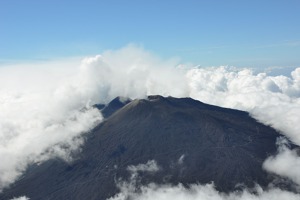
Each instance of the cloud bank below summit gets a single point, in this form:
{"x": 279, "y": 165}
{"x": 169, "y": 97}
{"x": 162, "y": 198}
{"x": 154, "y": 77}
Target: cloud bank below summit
{"x": 198, "y": 192}
{"x": 134, "y": 190}
{"x": 48, "y": 105}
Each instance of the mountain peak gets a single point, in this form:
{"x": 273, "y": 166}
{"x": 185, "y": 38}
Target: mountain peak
{"x": 155, "y": 97}
{"x": 113, "y": 106}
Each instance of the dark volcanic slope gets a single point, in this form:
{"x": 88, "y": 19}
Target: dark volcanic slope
{"x": 221, "y": 145}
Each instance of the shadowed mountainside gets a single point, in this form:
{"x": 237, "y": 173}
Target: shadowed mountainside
{"x": 191, "y": 142}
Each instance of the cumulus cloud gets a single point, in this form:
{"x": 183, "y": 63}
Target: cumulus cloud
{"x": 150, "y": 166}
{"x": 135, "y": 73}
{"x": 21, "y": 198}
{"x": 44, "y": 106}
{"x": 272, "y": 100}
{"x": 135, "y": 191}
{"x": 42, "y": 115}
{"x": 286, "y": 163}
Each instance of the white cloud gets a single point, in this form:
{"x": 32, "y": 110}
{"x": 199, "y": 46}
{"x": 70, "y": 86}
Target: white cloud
{"x": 40, "y": 111}
{"x": 134, "y": 190}
{"x": 272, "y": 100}
{"x": 21, "y": 198}
{"x": 197, "y": 192}
{"x": 286, "y": 163}
{"x": 150, "y": 166}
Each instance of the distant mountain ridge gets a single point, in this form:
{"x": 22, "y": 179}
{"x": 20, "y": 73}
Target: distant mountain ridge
{"x": 190, "y": 141}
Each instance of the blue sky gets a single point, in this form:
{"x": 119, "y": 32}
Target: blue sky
{"x": 256, "y": 33}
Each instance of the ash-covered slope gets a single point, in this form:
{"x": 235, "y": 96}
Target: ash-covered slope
{"x": 191, "y": 142}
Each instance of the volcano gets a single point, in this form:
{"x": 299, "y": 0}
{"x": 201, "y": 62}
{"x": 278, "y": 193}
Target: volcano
{"x": 191, "y": 142}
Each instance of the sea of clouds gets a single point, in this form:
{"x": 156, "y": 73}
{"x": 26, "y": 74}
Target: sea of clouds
{"x": 46, "y": 108}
